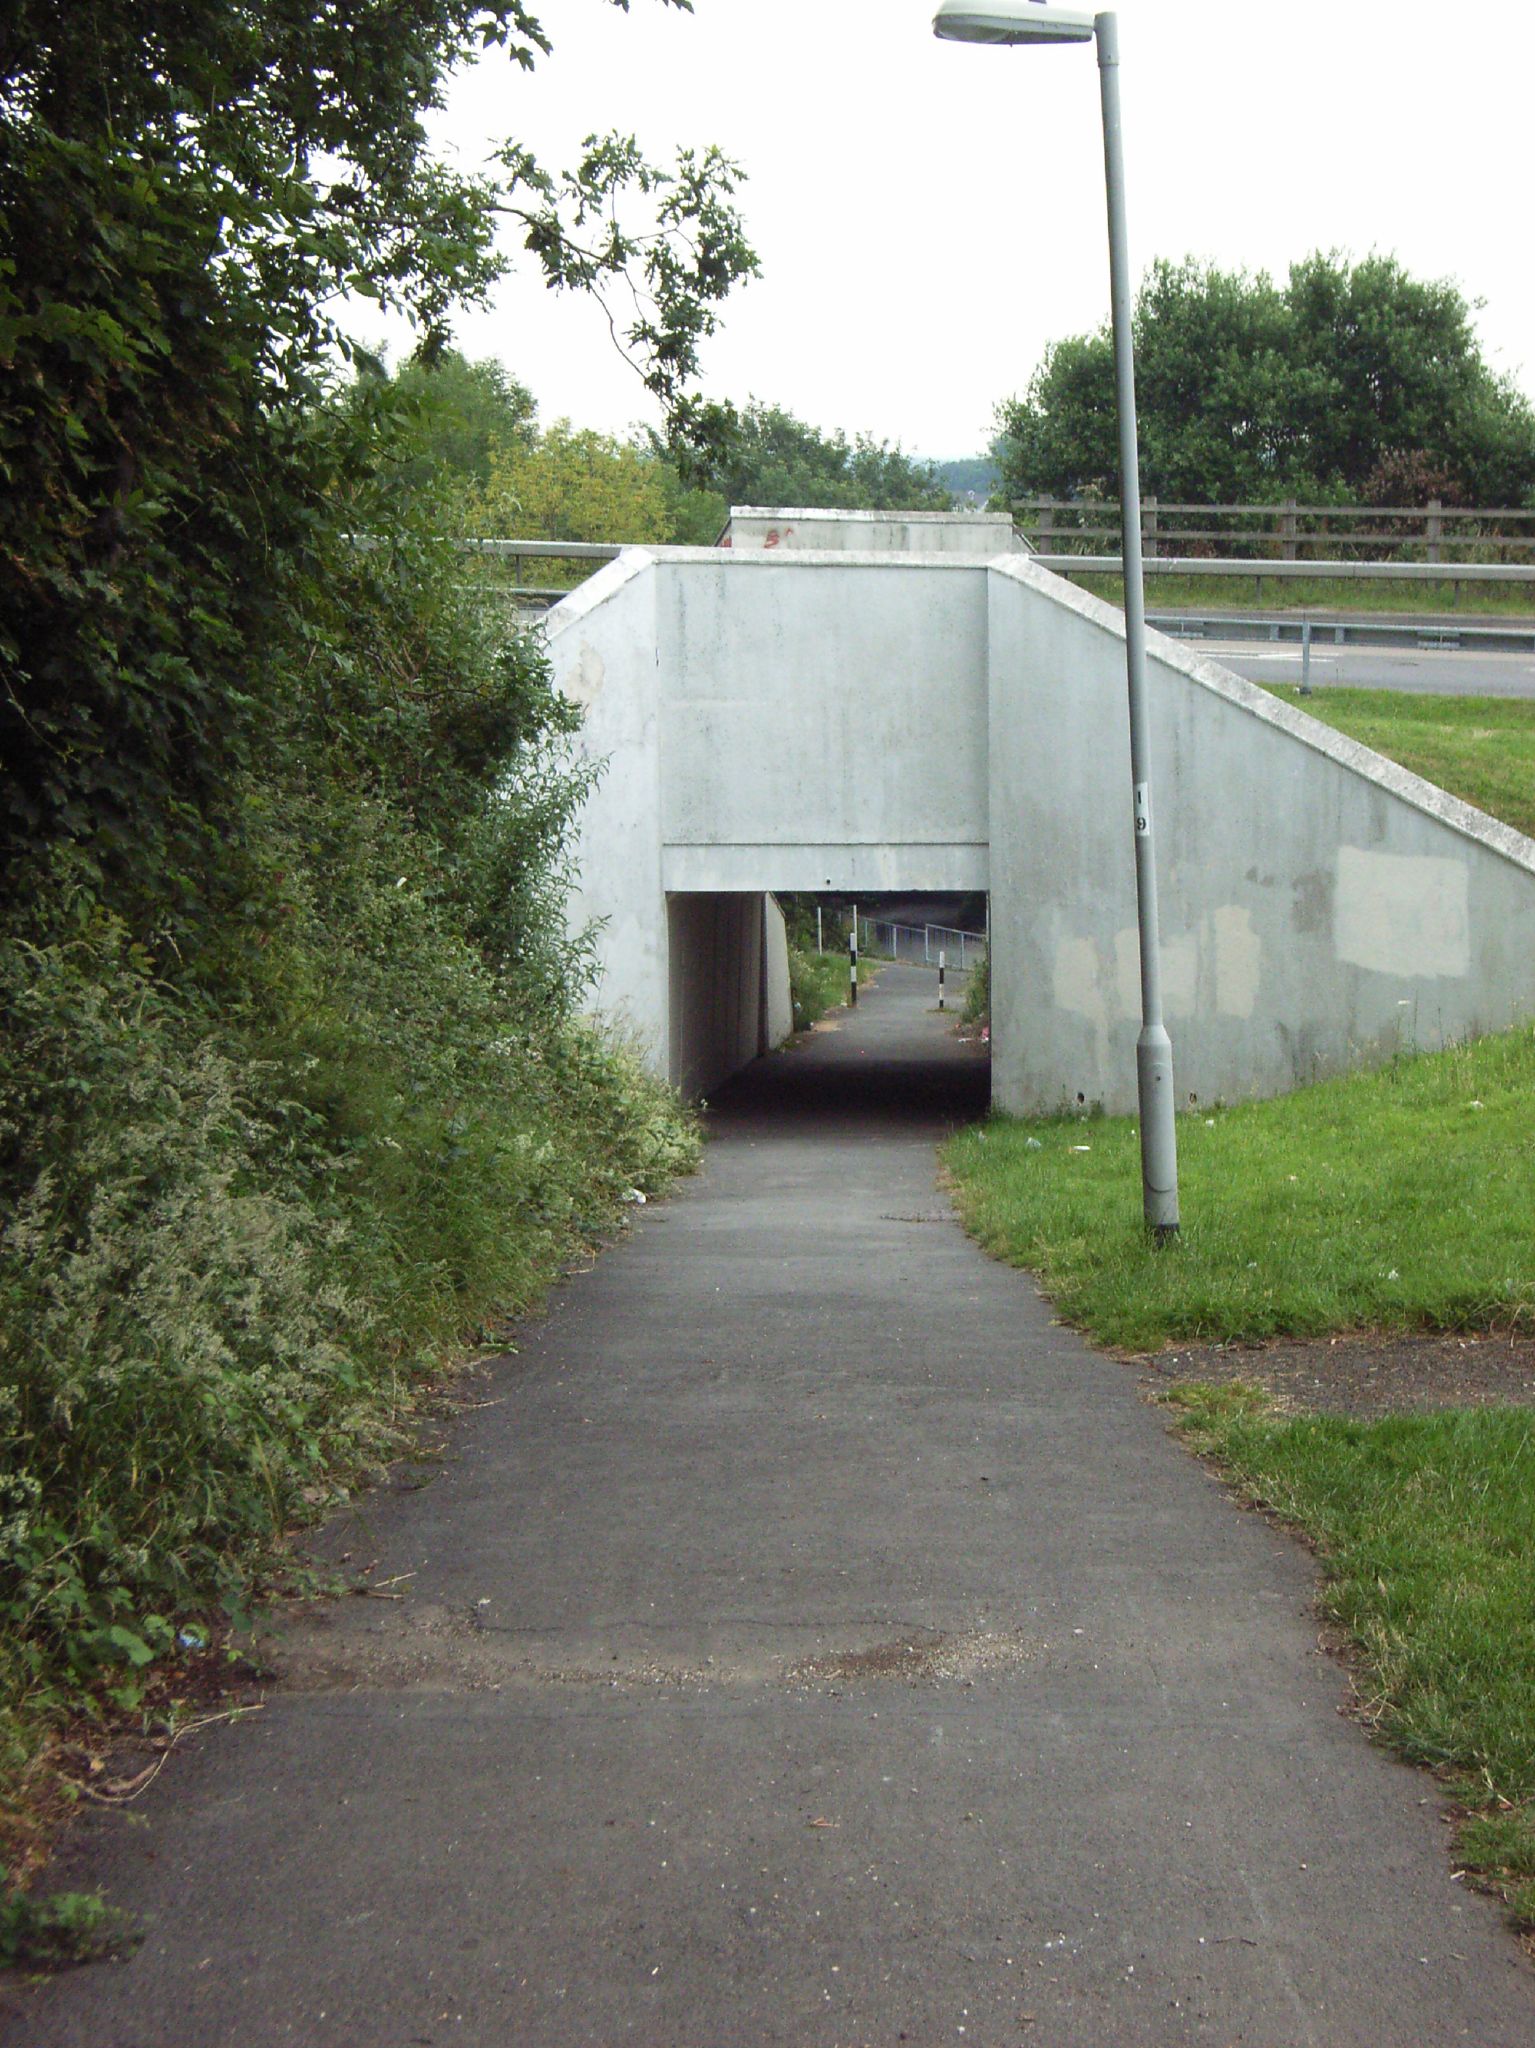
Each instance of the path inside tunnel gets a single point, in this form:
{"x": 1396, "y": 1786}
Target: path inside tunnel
{"x": 802, "y": 1640}
{"x": 893, "y": 1063}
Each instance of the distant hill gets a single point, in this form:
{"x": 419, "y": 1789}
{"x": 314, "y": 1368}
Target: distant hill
{"x": 972, "y": 477}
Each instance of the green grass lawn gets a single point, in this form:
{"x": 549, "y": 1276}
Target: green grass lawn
{"x": 1397, "y": 1199}
{"x": 1479, "y": 748}
{"x": 1280, "y": 594}
{"x": 1425, "y": 1526}
{"x": 1403, "y": 1198}
{"x": 1400, "y": 1199}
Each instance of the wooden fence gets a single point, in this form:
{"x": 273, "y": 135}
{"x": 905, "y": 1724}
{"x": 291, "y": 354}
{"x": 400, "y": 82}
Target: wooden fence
{"x": 1287, "y": 532}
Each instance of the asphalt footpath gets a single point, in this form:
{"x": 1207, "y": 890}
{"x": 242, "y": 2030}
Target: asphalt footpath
{"x": 802, "y": 1640}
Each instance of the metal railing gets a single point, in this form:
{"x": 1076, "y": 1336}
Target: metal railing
{"x": 1288, "y": 531}
{"x": 920, "y": 945}
{"x": 519, "y": 551}
{"x": 1428, "y": 636}
{"x": 1259, "y": 569}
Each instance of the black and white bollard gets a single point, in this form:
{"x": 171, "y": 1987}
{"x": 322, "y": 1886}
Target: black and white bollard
{"x": 940, "y": 980}
{"x": 852, "y": 964}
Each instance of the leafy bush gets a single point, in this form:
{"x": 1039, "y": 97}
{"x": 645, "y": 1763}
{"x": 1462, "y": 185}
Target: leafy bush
{"x": 223, "y": 1272}
{"x": 294, "y": 1090}
{"x": 977, "y": 1006}
{"x": 817, "y": 983}
{"x": 257, "y": 1182}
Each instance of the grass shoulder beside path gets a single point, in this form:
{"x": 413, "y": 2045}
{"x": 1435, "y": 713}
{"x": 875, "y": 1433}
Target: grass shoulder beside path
{"x": 1394, "y": 1200}
{"x": 1400, "y": 1199}
{"x": 819, "y": 982}
{"x": 1217, "y": 594}
{"x": 1425, "y": 1529}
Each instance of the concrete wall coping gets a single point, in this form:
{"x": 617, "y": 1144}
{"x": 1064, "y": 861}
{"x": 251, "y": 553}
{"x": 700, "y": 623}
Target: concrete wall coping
{"x": 597, "y": 589}
{"x": 634, "y": 561}
{"x": 854, "y": 516}
{"x": 744, "y": 559}
{"x": 1361, "y": 760}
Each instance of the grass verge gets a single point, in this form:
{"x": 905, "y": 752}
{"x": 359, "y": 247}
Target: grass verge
{"x": 818, "y": 982}
{"x": 1240, "y": 594}
{"x": 1425, "y": 1528}
{"x": 1481, "y": 749}
{"x": 1398, "y": 1199}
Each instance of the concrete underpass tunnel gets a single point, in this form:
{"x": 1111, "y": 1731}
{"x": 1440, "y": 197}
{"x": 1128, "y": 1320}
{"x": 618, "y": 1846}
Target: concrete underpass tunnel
{"x": 897, "y": 1054}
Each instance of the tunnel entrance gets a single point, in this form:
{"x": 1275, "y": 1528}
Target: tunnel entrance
{"x": 748, "y": 974}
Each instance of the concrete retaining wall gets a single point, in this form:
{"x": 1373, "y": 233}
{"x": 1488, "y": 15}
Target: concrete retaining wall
{"x": 717, "y": 989}
{"x": 1320, "y": 906}
{"x": 822, "y": 723}
{"x": 874, "y": 721}
{"x": 777, "y": 998}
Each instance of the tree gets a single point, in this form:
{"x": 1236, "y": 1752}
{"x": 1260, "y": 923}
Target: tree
{"x": 765, "y": 456}
{"x": 187, "y": 191}
{"x": 1393, "y": 370}
{"x": 456, "y": 418}
{"x": 1347, "y": 376}
{"x": 575, "y": 484}
{"x": 468, "y": 433}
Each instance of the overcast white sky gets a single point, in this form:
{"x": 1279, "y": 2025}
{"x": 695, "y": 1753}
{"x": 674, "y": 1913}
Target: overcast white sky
{"x": 928, "y": 216}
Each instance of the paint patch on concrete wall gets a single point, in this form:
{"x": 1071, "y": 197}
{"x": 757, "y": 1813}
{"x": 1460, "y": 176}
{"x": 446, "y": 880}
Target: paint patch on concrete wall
{"x": 583, "y": 681}
{"x": 1076, "y": 984}
{"x": 1180, "y": 973}
{"x": 1402, "y": 914}
{"x": 1238, "y": 961}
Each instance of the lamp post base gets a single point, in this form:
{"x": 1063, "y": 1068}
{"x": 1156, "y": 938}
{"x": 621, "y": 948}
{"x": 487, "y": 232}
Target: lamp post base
{"x": 1159, "y": 1140}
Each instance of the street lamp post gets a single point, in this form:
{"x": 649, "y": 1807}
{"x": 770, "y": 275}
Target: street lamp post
{"x": 1014, "y": 23}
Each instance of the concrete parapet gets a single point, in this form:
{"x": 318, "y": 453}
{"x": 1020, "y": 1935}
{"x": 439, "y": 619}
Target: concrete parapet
{"x": 880, "y": 720}
{"x": 973, "y": 534}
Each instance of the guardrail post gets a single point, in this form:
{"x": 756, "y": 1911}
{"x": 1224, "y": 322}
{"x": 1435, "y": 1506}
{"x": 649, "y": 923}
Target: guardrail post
{"x": 1046, "y": 523}
{"x": 1287, "y": 529}
{"x": 1305, "y": 658}
{"x": 1434, "y": 528}
{"x": 1149, "y": 528}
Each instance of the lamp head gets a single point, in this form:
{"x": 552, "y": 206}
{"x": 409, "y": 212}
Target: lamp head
{"x": 1011, "y": 21}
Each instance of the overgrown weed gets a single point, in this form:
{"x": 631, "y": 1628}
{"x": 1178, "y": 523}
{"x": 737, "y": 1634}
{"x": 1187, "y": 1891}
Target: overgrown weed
{"x": 264, "y": 1171}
